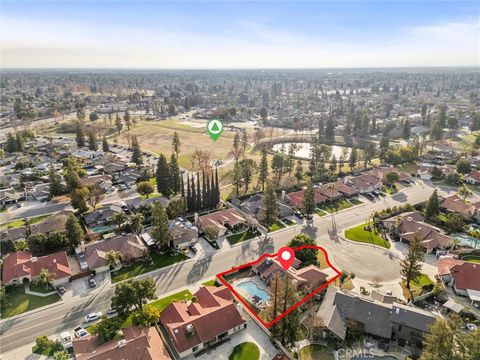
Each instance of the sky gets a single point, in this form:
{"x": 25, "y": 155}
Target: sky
{"x": 233, "y": 34}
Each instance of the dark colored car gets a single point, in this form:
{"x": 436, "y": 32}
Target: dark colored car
{"x": 61, "y": 290}
{"x": 91, "y": 282}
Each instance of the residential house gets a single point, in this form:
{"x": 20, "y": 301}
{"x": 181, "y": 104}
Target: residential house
{"x": 129, "y": 245}
{"x": 381, "y": 173}
{"x": 194, "y": 326}
{"x": 136, "y": 344}
{"x": 462, "y": 276}
{"x": 53, "y": 223}
{"x": 96, "y": 180}
{"x": 296, "y": 198}
{"x": 473, "y": 178}
{"x": 14, "y": 234}
{"x": 363, "y": 183}
{"x": 347, "y": 191}
{"x": 254, "y": 206}
{"x": 137, "y": 203}
{"x": 310, "y": 276}
{"x": 329, "y": 191}
{"x": 383, "y": 319}
{"x": 223, "y": 220}
{"x": 101, "y": 216}
{"x": 22, "y": 265}
{"x": 410, "y": 224}
{"x": 184, "y": 234}
{"x": 454, "y": 204}
{"x": 9, "y": 196}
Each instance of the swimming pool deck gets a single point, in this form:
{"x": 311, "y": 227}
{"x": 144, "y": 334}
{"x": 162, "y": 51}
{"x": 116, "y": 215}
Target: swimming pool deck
{"x": 254, "y": 279}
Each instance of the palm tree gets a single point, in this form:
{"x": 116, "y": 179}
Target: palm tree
{"x": 46, "y": 278}
{"x": 464, "y": 192}
{"x": 136, "y": 222}
{"x": 113, "y": 258}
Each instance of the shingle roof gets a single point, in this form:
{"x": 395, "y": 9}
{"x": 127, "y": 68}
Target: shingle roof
{"x": 221, "y": 218}
{"x": 128, "y": 245}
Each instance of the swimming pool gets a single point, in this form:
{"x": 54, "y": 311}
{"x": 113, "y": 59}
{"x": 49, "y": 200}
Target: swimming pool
{"x": 252, "y": 289}
{"x": 467, "y": 240}
{"x": 374, "y": 358}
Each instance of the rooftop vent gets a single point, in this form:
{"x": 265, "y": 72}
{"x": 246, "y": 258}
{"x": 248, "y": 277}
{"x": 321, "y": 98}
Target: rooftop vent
{"x": 122, "y": 343}
{"x": 189, "y": 328}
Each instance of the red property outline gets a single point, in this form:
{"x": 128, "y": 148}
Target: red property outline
{"x": 278, "y": 318}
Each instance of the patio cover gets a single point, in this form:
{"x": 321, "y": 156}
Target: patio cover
{"x": 474, "y": 295}
{"x": 454, "y": 306}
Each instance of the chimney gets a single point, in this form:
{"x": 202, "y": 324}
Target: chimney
{"x": 34, "y": 259}
{"x": 122, "y": 343}
{"x": 240, "y": 309}
{"x": 283, "y": 195}
{"x": 54, "y": 261}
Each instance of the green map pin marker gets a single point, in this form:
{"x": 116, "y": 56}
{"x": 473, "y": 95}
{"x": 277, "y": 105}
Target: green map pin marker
{"x": 215, "y": 128}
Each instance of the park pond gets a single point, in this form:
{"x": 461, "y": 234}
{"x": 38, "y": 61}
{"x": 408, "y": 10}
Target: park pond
{"x": 303, "y": 150}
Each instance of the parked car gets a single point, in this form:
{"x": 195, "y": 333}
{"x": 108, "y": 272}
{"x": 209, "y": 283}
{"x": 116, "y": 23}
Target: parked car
{"x": 60, "y": 289}
{"x": 80, "y": 332}
{"x": 93, "y": 316}
{"x": 369, "y": 196}
{"x": 111, "y": 311}
{"x": 471, "y": 327}
{"x": 91, "y": 282}
{"x": 19, "y": 205}
{"x": 375, "y": 193}
{"x": 194, "y": 250}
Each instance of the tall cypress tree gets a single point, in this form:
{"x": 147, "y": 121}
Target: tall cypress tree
{"x": 164, "y": 185}
{"x": 217, "y": 188}
{"x": 189, "y": 195}
{"x": 182, "y": 186}
{"x": 213, "y": 193}
{"x": 199, "y": 193}
{"x": 174, "y": 173}
{"x": 204, "y": 191}
{"x": 194, "y": 196}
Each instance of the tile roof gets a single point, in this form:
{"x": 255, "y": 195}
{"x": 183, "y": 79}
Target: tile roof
{"x": 128, "y": 245}
{"x": 189, "y": 324}
{"x": 466, "y": 276}
{"x": 21, "y": 264}
{"x": 445, "y": 264}
{"x": 138, "y": 344}
{"x": 454, "y": 203}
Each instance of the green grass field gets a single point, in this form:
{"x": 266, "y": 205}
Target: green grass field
{"x": 245, "y": 351}
{"x": 236, "y": 238}
{"x": 18, "y": 223}
{"x": 315, "y": 352}
{"x": 355, "y": 201}
{"x": 471, "y": 258}
{"x": 17, "y": 302}
{"x": 277, "y": 225}
{"x": 141, "y": 267}
{"x": 357, "y": 233}
{"x": 289, "y": 222}
{"x": 335, "y": 206}
{"x": 417, "y": 286}
{"x": 209, "y": 282}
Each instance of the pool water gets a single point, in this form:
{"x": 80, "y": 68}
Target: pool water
{"x": 252, "y": 289}
{"x": 467, "y": 240}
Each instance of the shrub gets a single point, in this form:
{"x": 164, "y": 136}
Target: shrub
{"x": 43, "y": 342}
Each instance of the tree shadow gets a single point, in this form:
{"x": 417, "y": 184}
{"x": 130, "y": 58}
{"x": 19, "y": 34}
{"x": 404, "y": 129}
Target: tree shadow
{"x": 200, "y": 268}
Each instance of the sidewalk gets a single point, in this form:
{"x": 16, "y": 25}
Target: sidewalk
{"x": 21, "y": 353}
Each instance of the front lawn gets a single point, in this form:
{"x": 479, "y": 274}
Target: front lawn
{"x": 245, "y": 351}
{"x": 141, "y": 267}
{"x": 290, "y": 222}
{"x": 277, "y": 225}
{"x": 355, "y": 201}
{"x": 162, "y": 303}
{"x": 314, "y": 352}
{"x": 335, "y": 206}
{"x": 418, "y": 286}
{"x": 17, "y": 302}
{"x": 212, "y": 282}
{"x": 471, "y": 258}
{"x": 358, "y": 234}
{"x": 246, "y": 235}
{"x": 321, "y": 212}
{"x": 41, "y": 289}
{"x": 21, "y": 222}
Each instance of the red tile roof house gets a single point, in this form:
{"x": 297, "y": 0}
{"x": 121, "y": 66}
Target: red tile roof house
{"x": 22, "y": 265}
{"x": 462, "y": 276}
{"x": 454, "y": 204}
{"x": 194, "y": 326}
{"x": 223, "y": 220}
{"x": 411, "y": 224}
{"x": 137, "y": 344}
{"x": 472, "y": 178}
{"x": 296, "y": 198}
{"x": 130, "y": 246}
{"x": 310, "y": 276}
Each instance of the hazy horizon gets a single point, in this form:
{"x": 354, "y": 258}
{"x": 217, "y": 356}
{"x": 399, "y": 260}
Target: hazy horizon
{"x": 201, "y": 35}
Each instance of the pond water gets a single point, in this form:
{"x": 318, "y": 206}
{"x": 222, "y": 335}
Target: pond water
{"x": 303, "y": 150}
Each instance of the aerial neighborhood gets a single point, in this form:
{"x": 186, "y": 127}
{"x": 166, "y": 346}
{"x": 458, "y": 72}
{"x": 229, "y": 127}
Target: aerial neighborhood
{"x": 128, "y": 233}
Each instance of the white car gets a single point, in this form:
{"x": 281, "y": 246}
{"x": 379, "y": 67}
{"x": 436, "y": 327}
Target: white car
{"x": 93, "y": 316}
{"x": 471, "y": 327}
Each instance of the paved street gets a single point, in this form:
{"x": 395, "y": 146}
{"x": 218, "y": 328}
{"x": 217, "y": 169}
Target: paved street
{"x": 365, "y": 261}
{"x": 32, "y": 208}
